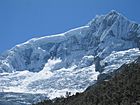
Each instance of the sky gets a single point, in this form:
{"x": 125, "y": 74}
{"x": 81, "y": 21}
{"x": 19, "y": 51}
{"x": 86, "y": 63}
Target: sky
{"x": 21, "y": 20}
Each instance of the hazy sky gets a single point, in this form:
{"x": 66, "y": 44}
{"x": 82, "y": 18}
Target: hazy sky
{"x": 21, "y": 20}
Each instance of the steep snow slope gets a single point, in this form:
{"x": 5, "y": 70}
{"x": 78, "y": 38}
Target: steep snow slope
{"x": 70, "y": 61}
{"x": 104, "y": 34}
{"x": 49, "y": 81}
{"x": 116, "y": 59}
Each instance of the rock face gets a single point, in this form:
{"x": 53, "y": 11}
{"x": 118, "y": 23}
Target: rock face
{"x": 101, "y": 36}
{"x": 70, "y": 61}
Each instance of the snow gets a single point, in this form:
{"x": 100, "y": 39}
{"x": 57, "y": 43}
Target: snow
{"x": 104, "y": 34}
{"x": 62, "y": 93}
{"x": 67, "y": 61}
{"x": 116, "y": 59}
{"x": 49, "y": 81}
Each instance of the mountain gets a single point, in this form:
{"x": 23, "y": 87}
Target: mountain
{"x": 71, "y": 61}
{"x": 122, "y": 89}
{"x": 102, "y": 35}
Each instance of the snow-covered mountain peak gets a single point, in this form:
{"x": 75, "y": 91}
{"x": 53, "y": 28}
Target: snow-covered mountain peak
{"x": 70, "y": 61}
{"x": 104, "y": 34}
{"x": 114, "y": 12}
{"x": 112, "y": 15}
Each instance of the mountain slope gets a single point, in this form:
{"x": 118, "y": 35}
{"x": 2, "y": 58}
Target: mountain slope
{"x": 104, "y": 34}
{"x": 122, "y": 89}
{"x": 70, "y": 61}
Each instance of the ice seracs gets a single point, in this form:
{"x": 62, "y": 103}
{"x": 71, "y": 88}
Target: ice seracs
{"x": 70, "y": 61}
{"x": 104, "y": 34}
{"x": 116, "y": 59}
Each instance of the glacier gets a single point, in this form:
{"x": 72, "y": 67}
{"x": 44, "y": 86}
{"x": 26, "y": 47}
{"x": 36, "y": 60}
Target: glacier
{"x": 101, "y": 36}
{"x": 70, "y": 61}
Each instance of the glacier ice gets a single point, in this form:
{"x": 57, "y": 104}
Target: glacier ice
{"x": 116, "y": 59}
{"x": 49, "y": 81}
{"x": 70, "y": 61}
{"x": 104, "y": 34}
